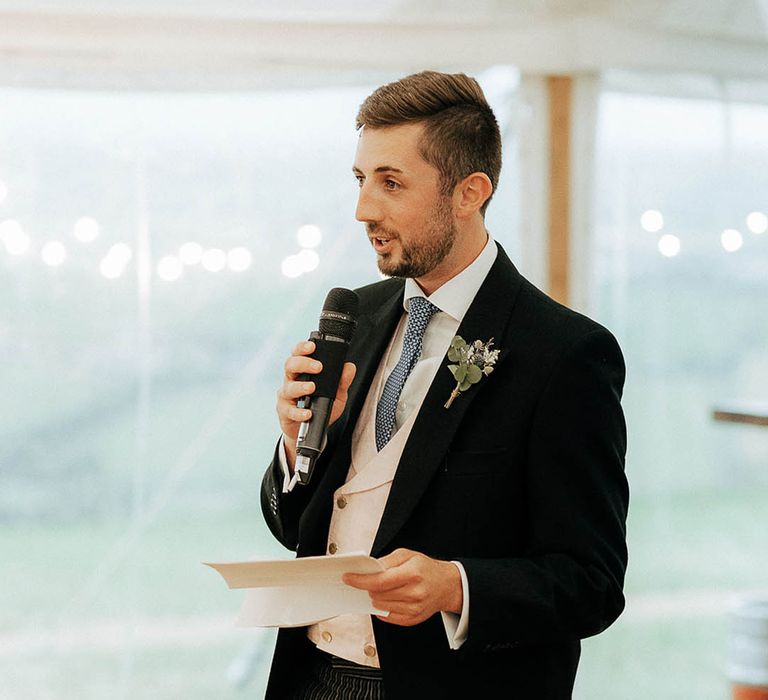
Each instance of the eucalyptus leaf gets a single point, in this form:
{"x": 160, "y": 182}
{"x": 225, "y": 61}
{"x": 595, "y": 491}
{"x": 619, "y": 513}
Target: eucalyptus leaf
{"x": 454, "y": 355}
{"x": 463, "y": 386}
{"x": 474, "y": 374}
{"x": 458, "y": 342}
{"x": 460, "y": 375}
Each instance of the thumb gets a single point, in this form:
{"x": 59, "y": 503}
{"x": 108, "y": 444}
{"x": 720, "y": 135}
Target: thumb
{"x": 397, "y": 558}
{"x": 347, "y": 376}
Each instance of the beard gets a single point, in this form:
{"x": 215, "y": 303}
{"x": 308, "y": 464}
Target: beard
{"x": 420, "y": 256}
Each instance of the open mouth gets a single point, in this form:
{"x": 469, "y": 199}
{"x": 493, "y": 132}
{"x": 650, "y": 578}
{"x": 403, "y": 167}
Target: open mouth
{"x": 380, "y": 244}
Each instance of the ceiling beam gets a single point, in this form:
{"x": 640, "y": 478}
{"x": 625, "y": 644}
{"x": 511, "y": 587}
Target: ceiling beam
{"x": 167, "y": 47}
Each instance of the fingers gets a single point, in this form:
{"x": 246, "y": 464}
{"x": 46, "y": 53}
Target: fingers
{"x": 391, "y": 580}
{"x": 373, "y": 583}
{"x": 289, "y": 411}
{"x": 292, "y": 390}
{"x": 400, "y": 619}
{"x": 299, "y": 363}
{"x": 294, "y": 387}
{"x": 412, "y": 588}
{"x": 304, "y": 347}
{"x": 347, "y": 376}
{"x": 407, "y": 605}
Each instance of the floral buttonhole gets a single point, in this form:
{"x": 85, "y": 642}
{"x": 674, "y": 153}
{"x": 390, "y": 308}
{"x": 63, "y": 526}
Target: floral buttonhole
{"x": 473, "y": 362}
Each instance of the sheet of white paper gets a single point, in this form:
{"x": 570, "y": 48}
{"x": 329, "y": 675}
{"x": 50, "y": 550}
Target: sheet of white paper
{"x": 290, "y": 593}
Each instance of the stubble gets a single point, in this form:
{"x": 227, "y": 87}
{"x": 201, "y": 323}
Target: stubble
{"x": 420, "y": 256}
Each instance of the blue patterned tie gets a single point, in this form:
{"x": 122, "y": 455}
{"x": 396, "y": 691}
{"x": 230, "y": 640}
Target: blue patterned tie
{"x": 420, "y": 311}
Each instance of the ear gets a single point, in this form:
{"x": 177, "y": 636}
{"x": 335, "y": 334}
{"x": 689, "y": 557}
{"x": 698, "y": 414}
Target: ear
{"x": 470, "y": 194}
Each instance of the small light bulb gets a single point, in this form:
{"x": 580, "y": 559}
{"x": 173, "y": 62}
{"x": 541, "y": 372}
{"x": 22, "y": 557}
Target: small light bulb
{"x": 239, "y": 259}
{"x": 309, "y": 236}
{"x": 291, "y": 266}
{"x": 308, "y": 259}
{"x": 53, "y": 253}
{"x": 731, "y": 240}
{"x": 191, "y": 253}
{"x": 86, "y": 229}
{"x": 757, "y": 222}
{"x": 669, "y": 245}
{"x": 652, "y": 221}
{"x": 170, "y": 268}
{"x": 16, "y": 240}
{"x": 214, "y": 259}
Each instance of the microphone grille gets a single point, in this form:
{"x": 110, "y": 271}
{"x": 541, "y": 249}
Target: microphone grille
{"x": 339, "y": 315}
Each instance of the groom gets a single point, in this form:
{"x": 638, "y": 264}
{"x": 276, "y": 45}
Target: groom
{"x": 499, "y": 515}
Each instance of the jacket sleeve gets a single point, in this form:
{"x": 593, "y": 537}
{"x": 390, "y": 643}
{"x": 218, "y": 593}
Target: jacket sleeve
{"x": 568, "y": 582}
{"x": 282, "y": 511}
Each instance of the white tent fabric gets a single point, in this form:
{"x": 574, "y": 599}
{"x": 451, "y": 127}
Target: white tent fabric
{"x": 239, "y": 44}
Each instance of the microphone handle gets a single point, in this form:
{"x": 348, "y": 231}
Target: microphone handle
{"x": 312, "y": 436}
{"x": 331, "y": 351}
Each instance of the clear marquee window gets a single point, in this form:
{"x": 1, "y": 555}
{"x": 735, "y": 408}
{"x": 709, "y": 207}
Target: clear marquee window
{"x": 160, "y": 253}
{"x": 680, "y": 260}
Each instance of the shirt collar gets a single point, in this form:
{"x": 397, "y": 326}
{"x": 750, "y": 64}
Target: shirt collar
{"x": 455, "y": 296}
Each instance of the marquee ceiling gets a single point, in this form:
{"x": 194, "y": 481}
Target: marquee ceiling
{"x": 252, "y": 43}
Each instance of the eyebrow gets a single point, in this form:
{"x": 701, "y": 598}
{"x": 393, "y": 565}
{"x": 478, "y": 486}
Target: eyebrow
{"x": 380, "y": 169}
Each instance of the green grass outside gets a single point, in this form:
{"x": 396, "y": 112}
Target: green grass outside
{"x": 704, "y": 543}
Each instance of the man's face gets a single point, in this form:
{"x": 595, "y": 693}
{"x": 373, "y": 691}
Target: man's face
{"x": 409, "y": 222}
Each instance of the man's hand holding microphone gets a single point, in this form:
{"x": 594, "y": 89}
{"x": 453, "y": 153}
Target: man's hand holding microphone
{"x": 316, "y": 382}
{"x": 295, "y": 388}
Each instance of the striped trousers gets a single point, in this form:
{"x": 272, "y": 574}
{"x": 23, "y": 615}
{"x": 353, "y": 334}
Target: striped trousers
{"x": 332, "y": 678}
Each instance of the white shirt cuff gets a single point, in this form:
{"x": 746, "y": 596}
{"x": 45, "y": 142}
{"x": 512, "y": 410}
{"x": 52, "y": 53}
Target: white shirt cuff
{"x": 289, "y": 480}
{"x": 456, "y": 626}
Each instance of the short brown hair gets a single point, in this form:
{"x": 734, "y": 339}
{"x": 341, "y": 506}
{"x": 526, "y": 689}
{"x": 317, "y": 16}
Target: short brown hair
{"x": 461, "y": 134}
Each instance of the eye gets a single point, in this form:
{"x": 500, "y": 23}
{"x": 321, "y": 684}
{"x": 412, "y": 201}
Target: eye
{"x": 391, "y": 184}
{"x": 360, "y": 179}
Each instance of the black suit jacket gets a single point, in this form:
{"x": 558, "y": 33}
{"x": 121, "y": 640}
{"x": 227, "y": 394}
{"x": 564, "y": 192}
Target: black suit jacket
{"x": 521, "y": 480}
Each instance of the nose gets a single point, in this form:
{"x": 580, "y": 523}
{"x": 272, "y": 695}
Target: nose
{"x": 368, "y": 209}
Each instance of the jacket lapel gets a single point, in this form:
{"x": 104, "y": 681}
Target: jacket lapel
{"x": 435, "y": 426}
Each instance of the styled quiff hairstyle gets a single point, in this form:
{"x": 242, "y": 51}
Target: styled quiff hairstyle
{"x": 461, "y": 135}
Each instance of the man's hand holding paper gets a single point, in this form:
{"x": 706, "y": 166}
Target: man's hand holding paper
{"x": 295, "y": 592}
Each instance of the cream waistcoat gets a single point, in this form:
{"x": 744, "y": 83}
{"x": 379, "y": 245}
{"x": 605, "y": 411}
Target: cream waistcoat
{"x": 357, "y": 509}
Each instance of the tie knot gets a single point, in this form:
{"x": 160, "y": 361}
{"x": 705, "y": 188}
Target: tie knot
{"x": 420, "y": 310}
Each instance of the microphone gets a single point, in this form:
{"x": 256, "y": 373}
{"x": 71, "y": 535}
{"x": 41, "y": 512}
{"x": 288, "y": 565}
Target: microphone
{"x": 337, "y": 324}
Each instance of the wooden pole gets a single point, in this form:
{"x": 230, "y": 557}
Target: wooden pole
{"x": 559, "y": 89}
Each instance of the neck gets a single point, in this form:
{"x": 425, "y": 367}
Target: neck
{"x": 468, "y": 245}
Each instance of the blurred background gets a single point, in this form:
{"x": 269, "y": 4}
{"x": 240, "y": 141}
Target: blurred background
{"x": 175, "y": 201}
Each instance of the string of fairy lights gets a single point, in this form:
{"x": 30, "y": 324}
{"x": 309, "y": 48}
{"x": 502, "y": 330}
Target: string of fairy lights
{"x": 731, "y": 239}
{"x": 170, "y": 267}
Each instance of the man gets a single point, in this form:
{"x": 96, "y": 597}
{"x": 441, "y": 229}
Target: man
{"x": 498, "y": 510}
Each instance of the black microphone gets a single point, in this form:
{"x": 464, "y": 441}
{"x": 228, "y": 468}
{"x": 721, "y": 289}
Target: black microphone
{"x": 337, "y": 324}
